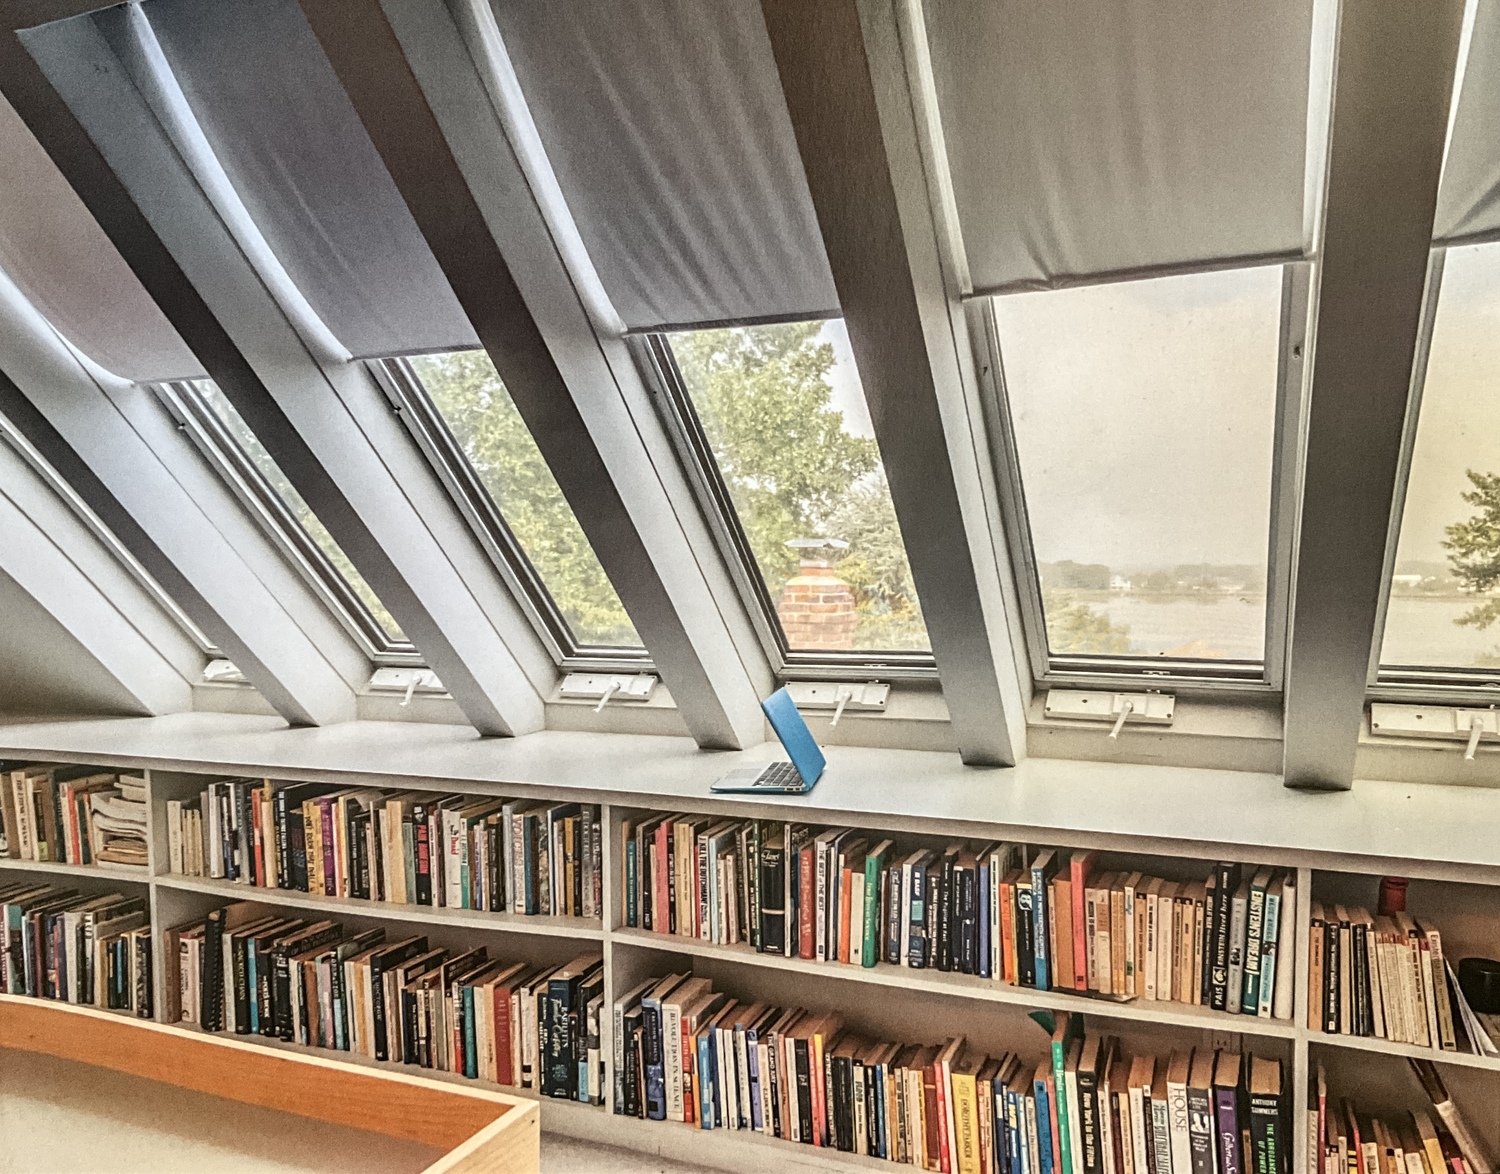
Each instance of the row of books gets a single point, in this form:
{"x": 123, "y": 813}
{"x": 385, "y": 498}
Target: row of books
{"x": 246, "y": 969}
{"x": 1041, "y": 918}
{"x": 1386, "y": 977}
{"x": 60, "y": 944}
{"x": 72, "y": 815}
{"x": 1343, "y": 1140}
{"x": 684, "y": 1052}
{"x": 408, "y": 847}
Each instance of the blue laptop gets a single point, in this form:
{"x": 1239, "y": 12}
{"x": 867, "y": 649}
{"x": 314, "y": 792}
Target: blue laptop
{"x": 780, "y": 778}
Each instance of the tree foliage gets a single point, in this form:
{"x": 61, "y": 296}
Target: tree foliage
{"x": 764, "y": 399}
{"x": 1076, "y": 627}
{"x": 478, "y": 410}
{"x": 1474, "y": 548}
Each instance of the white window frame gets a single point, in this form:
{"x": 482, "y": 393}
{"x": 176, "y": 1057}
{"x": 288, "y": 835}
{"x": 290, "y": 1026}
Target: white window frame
{"x": 195, "y": 419}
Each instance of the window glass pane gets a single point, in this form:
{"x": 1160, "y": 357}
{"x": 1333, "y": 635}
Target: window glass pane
{"x": 1444, "y": 607}
{"x": 1144, "y": 416}
{"x": 787, "y": 421}
{"x": 235, "y": 425}
{"x": 469, "y": 395}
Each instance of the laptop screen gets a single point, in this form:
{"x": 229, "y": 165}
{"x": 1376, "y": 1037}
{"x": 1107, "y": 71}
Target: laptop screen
{"x": 798, "y": 740}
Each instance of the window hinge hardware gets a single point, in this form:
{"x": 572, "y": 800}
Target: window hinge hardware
{"x": 607, "y": 687}
{"x": 409, "y": 681}
{"x": 1446, "y": 722}
{"x": 1155, "y": 709}
{"x": 223, "y": 672}
{"x": 839, "y": 696}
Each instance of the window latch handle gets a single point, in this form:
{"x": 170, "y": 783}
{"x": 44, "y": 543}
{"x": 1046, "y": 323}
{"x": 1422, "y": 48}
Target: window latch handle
{"x": 1126, "y": 710}
{"x": 1476, "y": 728}
{"x": 609, "y": 691}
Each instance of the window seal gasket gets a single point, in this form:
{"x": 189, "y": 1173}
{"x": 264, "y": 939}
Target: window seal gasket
{"x": 409, "y": 400}
{"x": 664, "y": 383}
{"x": 236, "y": 469}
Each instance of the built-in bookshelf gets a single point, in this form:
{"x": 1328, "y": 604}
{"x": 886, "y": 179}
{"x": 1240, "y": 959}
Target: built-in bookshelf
{"x": 908, "y": 1004}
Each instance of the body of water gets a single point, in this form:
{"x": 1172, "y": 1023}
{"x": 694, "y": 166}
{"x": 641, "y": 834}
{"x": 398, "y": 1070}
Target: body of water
{"x": 1419, "y": 630}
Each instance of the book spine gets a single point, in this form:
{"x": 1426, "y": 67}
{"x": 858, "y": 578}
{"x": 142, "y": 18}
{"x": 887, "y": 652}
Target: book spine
{"x": 1225, "y": 878}
{"x": 1226, "y": 1112}
{"x": 656, "y": 1086}
{"x": 1201, "y": 1131}
{"x": 1265, "y": 1134}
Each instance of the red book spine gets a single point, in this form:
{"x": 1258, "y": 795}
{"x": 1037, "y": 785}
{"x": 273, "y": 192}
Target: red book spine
{"x": 846, "y": 879}
{"x": 940, "y": 1090}
{"x": 257, "y": 843}
{"x": 661, "y": 916}
{"x": 689, "y": 1057}
{"x": 503, "y": 1072}
{"x": 1079, "y": 874}
{"x": 807, "y": 912}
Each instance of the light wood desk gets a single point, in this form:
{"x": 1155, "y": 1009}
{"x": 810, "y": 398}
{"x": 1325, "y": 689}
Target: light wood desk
{"x": 418, "y": 1124}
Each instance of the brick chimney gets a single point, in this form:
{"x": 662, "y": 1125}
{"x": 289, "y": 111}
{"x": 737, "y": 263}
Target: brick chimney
{"x": 817, "y": 607}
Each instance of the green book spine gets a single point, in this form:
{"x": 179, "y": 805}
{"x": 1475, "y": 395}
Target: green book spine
{"x": 874, "y": 871}
{"x": 1060, "y": 1049}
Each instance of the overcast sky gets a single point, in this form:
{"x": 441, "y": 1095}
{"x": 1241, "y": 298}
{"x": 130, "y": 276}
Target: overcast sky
{"x": 1459, "y": 427}
{"x": 1144, "y": 413}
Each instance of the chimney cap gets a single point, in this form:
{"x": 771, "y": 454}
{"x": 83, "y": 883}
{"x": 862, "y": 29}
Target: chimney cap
{"x": 811, "y": 544}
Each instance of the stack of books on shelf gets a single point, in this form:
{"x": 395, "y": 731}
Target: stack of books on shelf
{"x": 247, "y": 969}
{"x": 1343, "y": 1140}
{"x": 1386, "y": 977}
{"x": 684, "y": 1052}
{"x": 1042, "y": 918}
{"x": 60, "y": 944}
{"x": 407, "y": 847}
{"x": 72, "y": 815}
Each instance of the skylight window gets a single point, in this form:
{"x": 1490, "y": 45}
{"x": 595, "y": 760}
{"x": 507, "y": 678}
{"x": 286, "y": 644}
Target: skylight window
{"x": 1444, "y": 606}
{"x": 472, "y": 426}
{"x": 785, "y": 441}
{"x": 1143, "y": 417}
{"x": 218, "y": 427}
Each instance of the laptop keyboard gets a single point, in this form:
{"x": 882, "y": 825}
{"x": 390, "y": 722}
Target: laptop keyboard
{"x": 779, "y": 775}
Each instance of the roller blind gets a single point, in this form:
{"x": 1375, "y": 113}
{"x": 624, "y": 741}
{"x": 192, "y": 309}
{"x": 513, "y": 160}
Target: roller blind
{"x": 289, "y": 139}
{"x": 1468, "y": 205}
{"x": 1135, "y": 135}
{"x": 669, "y": 135}
{"x": 60, "y": 259}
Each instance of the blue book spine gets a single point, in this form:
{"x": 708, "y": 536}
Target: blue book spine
{"x": 583, "y": 1081}
{"x": 753, "y": 1062}
{"x": 918, "y": 914}
{"x": 984, "y": 919}
{"x": 1272, "y": 922}
{"x": 254, "y": 987}
{"x": 656, "y": 1080}
{"x": 717, "y": 1111}
{"x": 1043, "y": 1127}
{"x": 705, "y": 1082}
{"x": 1039, "y": 926}
{"x": 471, "y": 1051}
{"x": 632, "y": 884}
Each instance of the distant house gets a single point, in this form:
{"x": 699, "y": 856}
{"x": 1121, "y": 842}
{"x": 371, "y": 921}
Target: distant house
{"x": 1119, "y": 583}
{"x": 1406, "y": 582}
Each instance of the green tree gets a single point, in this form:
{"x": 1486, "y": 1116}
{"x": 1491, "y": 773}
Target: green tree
{"x": 1474, "y": 548}
{"x": 763, "y": 397}
{"x": 1076, "y": 627}
{"x": 478, "y": 410}
{"x": 876, "y": 567}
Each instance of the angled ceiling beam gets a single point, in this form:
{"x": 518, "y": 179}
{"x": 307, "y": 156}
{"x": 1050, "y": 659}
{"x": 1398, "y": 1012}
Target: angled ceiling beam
{"x": 104, "y": 135}
{"x": 1391, "y": 99}
{"x": 47, "y": 554}
{"x": 566, "y": 389}
{"x": 148, "y": 485}
{"x": 860, "y": 152}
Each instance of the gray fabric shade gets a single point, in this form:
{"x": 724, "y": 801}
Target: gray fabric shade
{"x": 60, "y": 259}
{"x": 1137, "y": 135}
{"x": 296, "y": 152}
{"x": 1468, "y": 205}
{"x": 665, "y": 124}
